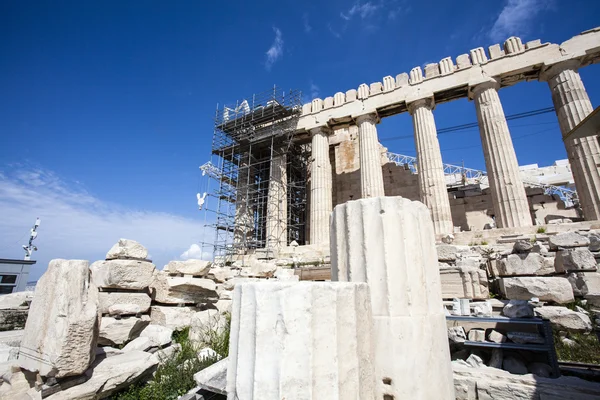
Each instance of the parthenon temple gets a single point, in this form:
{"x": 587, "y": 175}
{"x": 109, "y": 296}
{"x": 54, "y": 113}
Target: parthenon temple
{"x": 282, "y": 165}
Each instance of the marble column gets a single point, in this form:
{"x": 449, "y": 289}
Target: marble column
{"x": 371, "y": 176}
{"x": 432, "y": 182}
{"x": 243, "y": 212}
{"x": 572, "y": 105}
{"x": 277, "y": 203}
{"x": 321, "y": 188}
{"x": 389, "y": 243}
{"x": 508, "y": 193}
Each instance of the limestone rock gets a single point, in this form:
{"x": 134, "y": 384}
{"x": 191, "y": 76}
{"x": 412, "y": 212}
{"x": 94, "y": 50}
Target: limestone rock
{"x": 15, "y": 300}
{"x": 221, "y": 274}
{"x": 553, "y": 289}
{"x": 121, "y": 303}
{"x": 176, "y": 318}
{"x": 522, "y": 246}
{"x": 230, "y": 284}
{"x": 471, "y": 283}
{"x": 119, "y": 331}
{"x": 496, "y": 337}
{"x": 575, "y": 259}
{"x": 526, "y": 337}
{"x": 496, "y": 384}
{"x": 594, "y": 242}
{"x": 522, "y": 264}
{"x": 188, "y": 267}
{"x": 282, "y": 344}
{"x": 497, "y": 358}
{"x": 181, "y": 290}
{"x": 259, "y": 269}
{"x": 565, "y": 319}
{"x": 514, "y": 365}
{"x": 477, "y": 335}
{"x": 8, "y": 353}
{"x": 567, "y": 240}
{"x": 108, "y": 375}
{"x": 62, "y": 329}
{"x": 138, "y": 344}
{"x": 122, "y": 274}
{"x": 214, "y": 378}
{"x": 586, "y": 285}
{"x": 127, "y": 249}
{"x": 13, "y": 319}
{"x": 159, "y": 335}
{"x": 518, "y": 309}
{"x": 456, "y": 334}
{"x": 446, "y": 252}
{"x": 475, "y": 361}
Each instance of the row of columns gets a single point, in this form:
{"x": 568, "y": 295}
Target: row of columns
{"x": 509, "y": 199}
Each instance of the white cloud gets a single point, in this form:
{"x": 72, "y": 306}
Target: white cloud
{"x": 276, "y": 50}
{"x": 363, "y": 10}
{"x": 195, "y": 252}
{"x": 77, "y": 225}
{"x": 314, "y": 90}
{"x": 307, "y": 26}
{"x": 334, "y": 32}
{"x": 516, "y": 17}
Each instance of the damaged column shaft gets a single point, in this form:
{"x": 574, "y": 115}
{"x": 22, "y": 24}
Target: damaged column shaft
{"x": 371, "y": 176}
{"x": 432, "y": 182}
{"x": 277, "y": 203}
{"x": 572, "y": 105}
{"x": 321, "y": 188}
{"x": 508, "y": 193}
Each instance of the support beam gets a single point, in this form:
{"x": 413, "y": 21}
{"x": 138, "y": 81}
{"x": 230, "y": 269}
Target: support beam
{"x": 508, "y": 193}
{"x": 432, "y": 182}
{"x": 371, "y": 176}
{"x": 321, "y": 188}
{"x": 572, "y": 105}
{"x": 277, "y": 203}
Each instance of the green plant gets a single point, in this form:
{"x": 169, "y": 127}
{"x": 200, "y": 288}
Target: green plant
{"x": 484, "y": 243}
{"x": 533, "y": 239}
{"x": 541, "y": 229}
{"x": 175, "y": 375}
{"x": 587, "y": 349}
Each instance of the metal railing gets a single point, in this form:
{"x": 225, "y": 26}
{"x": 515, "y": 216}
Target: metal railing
{"x": 463, "y": 175}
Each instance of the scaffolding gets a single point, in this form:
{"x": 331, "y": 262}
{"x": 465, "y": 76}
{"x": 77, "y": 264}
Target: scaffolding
{"x": 260, "y": 198}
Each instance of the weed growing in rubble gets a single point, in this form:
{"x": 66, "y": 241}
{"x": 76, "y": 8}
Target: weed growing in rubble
{"x": 174, "y": 376}
{"x": 541, "y": 229}
{"x": 587, "y": 349}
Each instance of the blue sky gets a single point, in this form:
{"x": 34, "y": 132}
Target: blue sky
{"x": 106, "y": 107}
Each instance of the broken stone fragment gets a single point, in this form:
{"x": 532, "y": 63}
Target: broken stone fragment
{"x": 176, "y": 318}
{"x": 518, "y": 309}
{"x": 555, "y": 289}
{"x": 109, "y": 375}
{"x": 159, "y": 335}
{"x": 522, "y": 264}
{"x": 182, "y": 290}
{"x": 119, "y": 331}
{"x": 188, "y": 267}
{"x": 456, "y": 334}
{"x": 127, "y": 249}
{"x": 62, "y": 329}
{"x": 567, "y": 240}
{"x": 565, "y": 319}
{"x": 477, "y": 335}
{"x": 522, "y": 246}
{"x": 496, "y": 337}
{"x": 577, "y": 259}
{"x": 122, "y": 274}
{"x": 120, "y": 303}
{"x": 214, "y": 378}
{"x": 526, "y": 337}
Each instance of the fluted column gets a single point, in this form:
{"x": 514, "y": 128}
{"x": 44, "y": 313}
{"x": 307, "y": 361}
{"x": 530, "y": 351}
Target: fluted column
{"x": 389, "y": 243}
{"x": 243, "y": 213}
{"x": 508, "y": 193}
{"x": 432, "y": 182}
{"x": 572, "y": 105}
{"x": 277, "y": 203}
{"x": 320, "y": 188}
{"x": 371, "y": 176}
{"x": 303, "y": 340}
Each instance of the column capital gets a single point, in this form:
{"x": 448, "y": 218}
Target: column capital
{"x": 476, "y": 88}
{"x": 550, "y": 71}
{"x": 325, "y": 130}
{"x": 428, "y": 102}
{"x": 370, "y": 117}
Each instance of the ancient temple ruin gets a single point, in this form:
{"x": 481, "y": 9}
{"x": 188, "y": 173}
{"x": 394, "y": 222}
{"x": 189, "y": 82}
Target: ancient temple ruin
{"x": 283, "y": 166}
